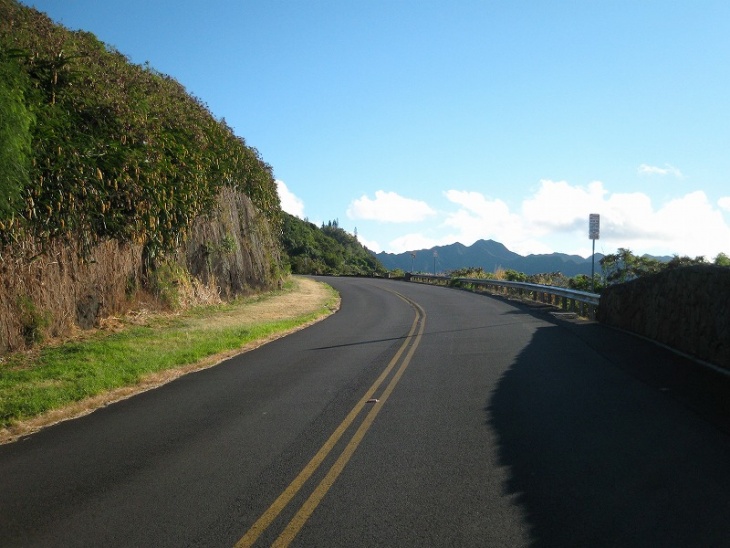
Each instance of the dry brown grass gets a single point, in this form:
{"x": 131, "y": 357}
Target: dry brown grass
{"x": 53, "y": 281}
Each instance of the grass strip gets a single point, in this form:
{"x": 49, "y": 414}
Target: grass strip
{"x": 61, "y": 375}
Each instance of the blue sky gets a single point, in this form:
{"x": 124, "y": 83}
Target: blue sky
{"x": 422, "y": 123}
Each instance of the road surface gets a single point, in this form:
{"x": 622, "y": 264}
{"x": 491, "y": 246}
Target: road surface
{"x": 415, "y": 416}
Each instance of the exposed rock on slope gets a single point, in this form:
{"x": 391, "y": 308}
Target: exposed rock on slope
{"x": 233, "y": 248}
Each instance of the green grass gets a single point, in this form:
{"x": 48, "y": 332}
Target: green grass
{"x": 58, "y": 376}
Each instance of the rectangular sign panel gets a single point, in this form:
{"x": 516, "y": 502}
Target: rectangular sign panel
{"x": 594, "y": 226}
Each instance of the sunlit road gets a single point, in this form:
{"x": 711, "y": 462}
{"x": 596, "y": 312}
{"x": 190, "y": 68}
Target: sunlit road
{"x": 415, "y": 416}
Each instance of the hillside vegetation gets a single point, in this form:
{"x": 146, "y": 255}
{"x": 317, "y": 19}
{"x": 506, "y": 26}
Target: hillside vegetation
{"x": 328, "y": 250}
{"x": 103, "y": 148}
{"x": 613, "y": 269}
{"x": 113, "y": 179}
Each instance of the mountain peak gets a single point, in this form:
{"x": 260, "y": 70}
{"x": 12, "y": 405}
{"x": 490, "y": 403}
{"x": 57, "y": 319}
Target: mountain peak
{"x": 487, "y": 254}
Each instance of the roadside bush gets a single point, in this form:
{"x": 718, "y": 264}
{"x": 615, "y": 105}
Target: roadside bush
{"x": 33, "y": 321}
{"x": 169, "y": 281}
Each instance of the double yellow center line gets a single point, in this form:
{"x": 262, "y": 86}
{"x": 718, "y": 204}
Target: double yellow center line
{"x": 306, "y": 510}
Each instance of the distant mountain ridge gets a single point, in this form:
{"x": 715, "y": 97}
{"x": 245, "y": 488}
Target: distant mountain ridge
{"x": 488, "y": 255}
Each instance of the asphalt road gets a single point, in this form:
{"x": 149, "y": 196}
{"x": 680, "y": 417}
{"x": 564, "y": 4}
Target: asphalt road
{"x": 415, "y": 416}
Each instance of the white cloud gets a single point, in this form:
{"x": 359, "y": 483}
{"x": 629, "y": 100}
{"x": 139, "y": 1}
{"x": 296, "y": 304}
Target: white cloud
{"x": 555, "y": 218}
{"x": 687, "y": 225}
{"x": 389, "y": 207}
{"x": 372, "y": 245}
{"x": 724, "y": 203}
{"x": 289, "y": 202}
{"x": 558, "y": 206}
{"x": 645, "y": 169}
{"x": 415, "y": 241}
{"x": 691, "y": 226}
{"x": 480, "y": 217}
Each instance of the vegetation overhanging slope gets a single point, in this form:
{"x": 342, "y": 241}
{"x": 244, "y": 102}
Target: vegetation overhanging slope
{"x": 106, "y": 148}
{"x": 103, "y": 160}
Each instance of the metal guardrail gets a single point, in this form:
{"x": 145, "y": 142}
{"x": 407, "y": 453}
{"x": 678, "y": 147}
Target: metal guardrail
{"x": 570, "y": 300}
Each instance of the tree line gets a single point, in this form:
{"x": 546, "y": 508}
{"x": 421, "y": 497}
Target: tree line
{"x": 326, "y": 250}
{"x": 619, "y": 267}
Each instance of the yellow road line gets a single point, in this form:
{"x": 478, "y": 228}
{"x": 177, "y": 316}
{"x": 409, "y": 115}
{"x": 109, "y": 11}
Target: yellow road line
{"x": 295, "y": 486}
{"x": 298, "y": 521}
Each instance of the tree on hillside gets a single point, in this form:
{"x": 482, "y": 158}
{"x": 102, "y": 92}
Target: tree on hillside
{"x": 722, "y": 260}
{"x": 676, "y": 261}
{"x": 623, "y": 266}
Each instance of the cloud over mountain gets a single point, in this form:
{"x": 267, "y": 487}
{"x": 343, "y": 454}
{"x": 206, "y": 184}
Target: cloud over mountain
{"x": 389, "y": 207}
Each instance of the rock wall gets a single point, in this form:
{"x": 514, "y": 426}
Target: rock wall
{"x": 685, "y": 308}
{"x": 233, "y": 248}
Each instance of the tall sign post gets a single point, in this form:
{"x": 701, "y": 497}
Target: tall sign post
{"x": 594, "y": 233}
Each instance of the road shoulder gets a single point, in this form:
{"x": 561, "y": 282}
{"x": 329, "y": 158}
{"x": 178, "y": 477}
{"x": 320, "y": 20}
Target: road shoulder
{"x": 307, "y": 297}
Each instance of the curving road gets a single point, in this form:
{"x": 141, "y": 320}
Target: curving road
{"x": 415, "y": 416}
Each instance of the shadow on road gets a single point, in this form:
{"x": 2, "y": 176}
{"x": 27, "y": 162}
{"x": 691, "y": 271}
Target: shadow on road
{"x": 427, "y": 333}
{"x": 613, "y": 441}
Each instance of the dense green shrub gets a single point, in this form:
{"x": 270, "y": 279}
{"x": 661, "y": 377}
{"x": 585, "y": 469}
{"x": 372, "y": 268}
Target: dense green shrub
{"x": 33, "y": 321}
{"x": 16, "y": 122}
{"x": 116, "y": 150}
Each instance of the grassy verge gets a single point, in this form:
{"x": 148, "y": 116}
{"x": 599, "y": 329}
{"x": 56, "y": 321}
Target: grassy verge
{"x": 58, "y": 376}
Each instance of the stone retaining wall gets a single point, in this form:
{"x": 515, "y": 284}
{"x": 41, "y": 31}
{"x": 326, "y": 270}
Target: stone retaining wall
{"x": 685, "y": 308}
